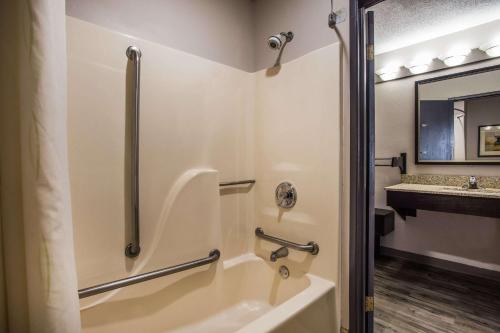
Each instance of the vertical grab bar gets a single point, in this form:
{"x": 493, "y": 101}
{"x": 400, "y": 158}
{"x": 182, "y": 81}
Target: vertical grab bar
{"x": 133, "y": 248}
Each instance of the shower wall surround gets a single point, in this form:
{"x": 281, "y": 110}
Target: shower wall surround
{"x": 196, "y": 117}
{"x": 201, "y": 122}
{"x": 297, "y": 138}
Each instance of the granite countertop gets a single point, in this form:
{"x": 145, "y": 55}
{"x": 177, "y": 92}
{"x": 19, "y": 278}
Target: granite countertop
{"x": 446, "y": 190}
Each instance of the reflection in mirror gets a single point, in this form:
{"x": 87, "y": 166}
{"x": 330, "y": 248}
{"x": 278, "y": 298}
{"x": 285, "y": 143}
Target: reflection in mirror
{"x": 458, "y": 118}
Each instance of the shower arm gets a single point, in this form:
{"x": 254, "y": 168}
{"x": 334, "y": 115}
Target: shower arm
{"x": 278, "y": 60}
{"x": 288, "y": 38}
{"x": 133, "y": 248}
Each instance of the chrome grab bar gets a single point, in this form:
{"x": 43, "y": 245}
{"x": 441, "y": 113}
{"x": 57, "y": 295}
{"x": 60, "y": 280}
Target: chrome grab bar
{"x": 213, "y": 256}
{"x": 134, "y": 247}
{"x": 239, "y": 182}
{"x": 311, "y": 247}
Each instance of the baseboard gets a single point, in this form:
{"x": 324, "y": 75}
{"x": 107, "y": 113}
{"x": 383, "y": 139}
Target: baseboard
{"x": 440, "y": 263}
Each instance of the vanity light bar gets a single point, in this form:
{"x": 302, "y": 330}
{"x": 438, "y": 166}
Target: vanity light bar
{"x": 454, "y": 57}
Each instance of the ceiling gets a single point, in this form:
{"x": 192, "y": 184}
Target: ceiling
{"x": 400, "y": 23}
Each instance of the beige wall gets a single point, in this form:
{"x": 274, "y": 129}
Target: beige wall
{"x": 309, "y": 22}
{"x": 196, "y": 116}
{"x": 232, "y": 32}
{"x": 466, "y": 239}
{"x": 219, "y": 30}
{"x": 307, "y": 19}
{"x": 298, "y": 140}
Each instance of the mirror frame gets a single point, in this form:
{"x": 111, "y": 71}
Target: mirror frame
{"x": 417, "y": 117}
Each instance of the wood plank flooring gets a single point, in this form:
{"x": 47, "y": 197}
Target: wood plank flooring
{"x": 415, "y": 298}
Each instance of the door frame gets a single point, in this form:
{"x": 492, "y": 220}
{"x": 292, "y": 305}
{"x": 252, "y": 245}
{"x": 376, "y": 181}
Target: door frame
{"x": 360, "y": 169}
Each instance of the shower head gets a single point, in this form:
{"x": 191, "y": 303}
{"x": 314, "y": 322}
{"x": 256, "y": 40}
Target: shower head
{"x": 276, "y": 42}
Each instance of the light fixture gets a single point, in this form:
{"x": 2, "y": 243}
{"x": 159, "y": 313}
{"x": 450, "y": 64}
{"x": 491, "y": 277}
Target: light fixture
{"x": 420, "y": 64}
{"x": 492, "y": 49}
{"x": 389, "y": 72}
{"x": 456, "y": 56}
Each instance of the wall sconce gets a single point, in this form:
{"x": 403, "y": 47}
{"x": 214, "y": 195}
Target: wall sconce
{"x": 389, "y": 72}
{"x": 456, "y": 56}
{"x": 420, "y": 64}
{"x": 491, "y": 49}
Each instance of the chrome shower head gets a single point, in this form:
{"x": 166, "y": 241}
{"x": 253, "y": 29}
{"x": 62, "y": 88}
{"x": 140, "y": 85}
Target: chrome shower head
{"x": 276, "y": 42}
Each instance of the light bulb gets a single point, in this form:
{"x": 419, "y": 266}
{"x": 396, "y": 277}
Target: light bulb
{"x": 389, "y": 72}
{"x": 454, "y": 60}
{"x": 492, "y": 49}
{"x": 420, "y": 64}
{"x": 456, "y": 56}
{"x": 418, "y": 69}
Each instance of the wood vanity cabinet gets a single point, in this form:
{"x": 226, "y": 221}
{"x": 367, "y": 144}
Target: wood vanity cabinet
{"x": 407, "y": 204}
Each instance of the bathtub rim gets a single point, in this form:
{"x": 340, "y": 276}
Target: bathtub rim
{"x": 271, "y": 320}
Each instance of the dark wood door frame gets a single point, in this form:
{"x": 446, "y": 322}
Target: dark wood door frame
{"x": 361, "y": 169}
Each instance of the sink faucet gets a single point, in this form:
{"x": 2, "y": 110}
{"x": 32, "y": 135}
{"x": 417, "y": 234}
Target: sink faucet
{"x": 279, "y": 253}
{"x": 473, "y": 185}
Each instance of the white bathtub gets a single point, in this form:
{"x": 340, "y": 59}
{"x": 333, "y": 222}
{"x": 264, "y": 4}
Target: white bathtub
{"x": 244, "y": 294}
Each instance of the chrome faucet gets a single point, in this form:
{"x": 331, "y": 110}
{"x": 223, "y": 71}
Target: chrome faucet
{"x": 473, "y": 185}
{"x": 279, "y": 253}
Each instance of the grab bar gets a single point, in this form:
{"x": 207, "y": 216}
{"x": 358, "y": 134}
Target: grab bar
{"x": 213, "y": 256}
{"x": 134, "y": 247}
{"x": 238, "y": 182}
{"x": 311, "y": 247}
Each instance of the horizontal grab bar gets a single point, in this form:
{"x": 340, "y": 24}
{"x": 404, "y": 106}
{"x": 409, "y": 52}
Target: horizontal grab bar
{"x": 213, "y": 256}
{"x": 311, "y": 247}
{"x": 239, "y": 182}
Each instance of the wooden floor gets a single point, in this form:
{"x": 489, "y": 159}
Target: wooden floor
{"x": 416, "y": 298}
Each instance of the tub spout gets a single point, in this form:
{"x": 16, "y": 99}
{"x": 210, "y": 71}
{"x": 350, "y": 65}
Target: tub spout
{"x": 279, "y": 253}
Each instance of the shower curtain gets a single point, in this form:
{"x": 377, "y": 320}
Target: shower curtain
{"x": 38, "y": 285}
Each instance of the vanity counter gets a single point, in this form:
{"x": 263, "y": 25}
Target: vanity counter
{"x": 406, "y": 199}
{"x": 445, "y": 190}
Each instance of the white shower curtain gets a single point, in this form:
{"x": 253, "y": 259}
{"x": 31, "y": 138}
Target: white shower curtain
{"x": 38, "y": 285}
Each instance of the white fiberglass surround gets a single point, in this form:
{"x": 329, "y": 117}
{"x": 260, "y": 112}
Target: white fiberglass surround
{"x": 202, "y": 123}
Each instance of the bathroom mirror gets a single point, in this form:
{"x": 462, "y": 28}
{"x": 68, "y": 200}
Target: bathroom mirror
{"x": 458, "y": 118}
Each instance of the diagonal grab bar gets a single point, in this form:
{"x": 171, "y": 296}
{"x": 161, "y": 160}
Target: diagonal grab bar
{"x": 311, "y": 247}
{"x": 213, "y": 256}
{"x": 134, "y": 247}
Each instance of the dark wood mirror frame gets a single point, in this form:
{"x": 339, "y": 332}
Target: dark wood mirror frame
{"x": 417, "y": 117}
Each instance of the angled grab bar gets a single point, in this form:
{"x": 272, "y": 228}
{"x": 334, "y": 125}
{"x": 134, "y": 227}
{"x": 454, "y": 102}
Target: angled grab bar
{"x": 310, "y": 247}
{"x": 213, "y": 256}
{"x": 134, "y": 247}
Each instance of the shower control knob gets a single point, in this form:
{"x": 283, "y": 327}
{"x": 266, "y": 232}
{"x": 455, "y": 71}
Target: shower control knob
{"x": 286, "y": 195}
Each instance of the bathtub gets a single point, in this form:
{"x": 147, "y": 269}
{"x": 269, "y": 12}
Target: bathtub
{"x": 245, "y": 294}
